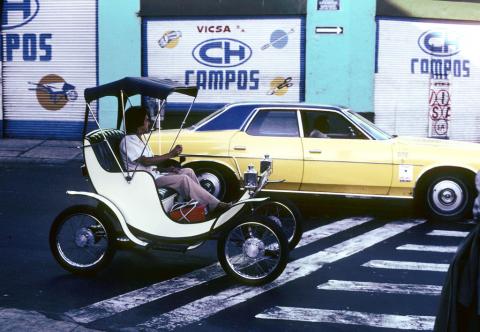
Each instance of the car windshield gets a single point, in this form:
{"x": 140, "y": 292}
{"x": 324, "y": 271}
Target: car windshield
{"x": 367, "y": 126}
{"x": 207, "y": 118}
{"x": 230, "y": 117}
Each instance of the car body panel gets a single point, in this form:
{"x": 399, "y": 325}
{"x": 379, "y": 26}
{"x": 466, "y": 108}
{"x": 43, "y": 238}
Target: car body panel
{"x": 347, "y": 166}
{"x": 285, "y": 151}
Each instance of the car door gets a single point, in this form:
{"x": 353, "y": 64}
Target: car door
{"x": 343, "y": 159}
{"x": 276, "y": 132}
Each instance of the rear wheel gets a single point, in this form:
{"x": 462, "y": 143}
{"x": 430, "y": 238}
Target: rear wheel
{"x": 448, "y": 197}
{"x": 286, "y": 215}
{"x": 253, "y": 251}
{"x": 82, "y": 240}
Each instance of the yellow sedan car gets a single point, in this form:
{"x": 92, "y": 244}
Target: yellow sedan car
{"x": 326, "y": 150}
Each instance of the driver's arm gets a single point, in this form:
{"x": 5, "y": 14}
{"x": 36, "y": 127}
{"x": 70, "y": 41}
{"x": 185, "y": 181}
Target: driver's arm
{"x": 155, "y": 160}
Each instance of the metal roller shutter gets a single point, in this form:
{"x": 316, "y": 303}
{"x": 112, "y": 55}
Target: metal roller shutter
{"x": 229, "y": 59}
{"x": 427, "y": 79}
{"x": 49, "y": 53}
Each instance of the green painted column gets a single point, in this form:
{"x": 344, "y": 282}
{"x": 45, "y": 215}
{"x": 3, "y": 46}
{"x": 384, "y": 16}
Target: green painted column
{"x": 119, "y": 48}
{"x": 340, "y": 67}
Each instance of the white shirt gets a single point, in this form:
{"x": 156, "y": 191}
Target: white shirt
{"x": 132, "y": 148}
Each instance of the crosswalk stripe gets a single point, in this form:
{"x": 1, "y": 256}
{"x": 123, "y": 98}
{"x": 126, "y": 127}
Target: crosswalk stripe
{"x": 418, "y": 247}
{"x": 165, "y": 288}
{"x": 212, "y": 304}
{"x": 331, "y": 229}
{"x": 374, "y": 287}
{"x": 398, "y": 265}
{"x": 438, "y": 232}
{"x": 407, "y": 322}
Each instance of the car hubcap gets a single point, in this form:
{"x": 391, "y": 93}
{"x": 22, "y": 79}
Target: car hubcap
{"x": 447, "y": 195}
{"x": 210, "y": 183}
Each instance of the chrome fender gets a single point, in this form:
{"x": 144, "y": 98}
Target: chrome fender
{"x": 115, "y": 210}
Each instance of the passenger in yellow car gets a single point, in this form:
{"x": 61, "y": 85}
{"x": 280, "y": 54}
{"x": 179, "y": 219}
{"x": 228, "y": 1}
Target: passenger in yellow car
{"x": 138, "y": 156}
{"x": 320, "y": 128}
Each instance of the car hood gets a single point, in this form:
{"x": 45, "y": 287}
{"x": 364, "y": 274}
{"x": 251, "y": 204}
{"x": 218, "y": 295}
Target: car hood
{"x": 437, "y": 143}
{"x": 421, "y": 151}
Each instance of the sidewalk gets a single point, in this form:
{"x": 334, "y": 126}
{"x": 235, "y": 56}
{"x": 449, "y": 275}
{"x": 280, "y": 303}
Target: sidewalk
{"x": 14, "y": 150}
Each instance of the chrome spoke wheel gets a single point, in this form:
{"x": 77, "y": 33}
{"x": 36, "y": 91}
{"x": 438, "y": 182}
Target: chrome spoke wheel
{"x": 286, "y": 216}
{"x": 82, "y": 240}
{"x": 253, "y": 250}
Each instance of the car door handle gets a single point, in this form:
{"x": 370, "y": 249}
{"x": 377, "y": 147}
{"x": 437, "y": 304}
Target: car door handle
{"x": 315, "y": 151}
{"x": 239, "y": 148}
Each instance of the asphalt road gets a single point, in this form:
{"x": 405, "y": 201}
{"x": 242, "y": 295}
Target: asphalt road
{"x": 363, "y": 266}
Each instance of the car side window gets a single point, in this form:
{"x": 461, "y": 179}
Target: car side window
{"x": 274, "y": 123}
{"x": 323, "y": 124}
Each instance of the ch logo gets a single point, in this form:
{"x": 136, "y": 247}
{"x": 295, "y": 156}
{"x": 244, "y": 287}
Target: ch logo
{"x": 439, "y": 43}
{"x": 18, "y": 13}
{"x": 222, "y": 52}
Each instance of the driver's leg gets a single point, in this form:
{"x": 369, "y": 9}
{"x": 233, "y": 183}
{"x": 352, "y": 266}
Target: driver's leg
{"x": 187, "y": 187}
{"x": 190, "y": 173}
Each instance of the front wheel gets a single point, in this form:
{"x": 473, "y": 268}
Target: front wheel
{"x": 286, "y": 215}
{"x": 81, "y": 240}
{"x": 253, "y": 251}
{"x": 449, "y": 198}
{"x": 220, "y": 184}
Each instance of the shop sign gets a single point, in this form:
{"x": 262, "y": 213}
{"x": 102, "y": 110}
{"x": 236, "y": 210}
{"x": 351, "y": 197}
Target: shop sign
{"x": 328, "y": 4}
{"x": 229, "y": 60}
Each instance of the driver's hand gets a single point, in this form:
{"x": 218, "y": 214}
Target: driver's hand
{"x": 176, "y": 150}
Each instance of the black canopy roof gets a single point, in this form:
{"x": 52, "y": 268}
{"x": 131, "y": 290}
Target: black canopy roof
{"x": 146, "y": 86}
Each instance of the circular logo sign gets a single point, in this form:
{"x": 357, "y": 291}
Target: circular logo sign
{"x": 170, "y": 39}
{"x": 53, "y": 92}
{"x": 439, "y": 43}
{"x": 16, "y": 14}
{"x": 222, "y": 52}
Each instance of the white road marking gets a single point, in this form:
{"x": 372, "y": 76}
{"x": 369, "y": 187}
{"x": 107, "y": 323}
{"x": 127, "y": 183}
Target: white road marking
{"x": 373, "y": 287}
{"x": 165, "y": 288}
{"x": 448, "y": 233}
{"x": 416, "y": 266}
{"x": 418, "y": 247}
{"x": 331, "y": 229}
{"x": 209, "y": 305}
{"x": 408, "y": 322}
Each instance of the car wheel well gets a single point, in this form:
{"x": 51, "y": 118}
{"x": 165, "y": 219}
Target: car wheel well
{"x": 423, "y": 181}
{"x": 232, "y": 182}
{"x": 435, "y": 207}
{"x": 208, "y": 164}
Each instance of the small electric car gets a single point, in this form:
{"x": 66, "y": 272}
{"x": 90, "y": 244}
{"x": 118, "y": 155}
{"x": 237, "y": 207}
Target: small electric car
{"x": 252, "y": 246}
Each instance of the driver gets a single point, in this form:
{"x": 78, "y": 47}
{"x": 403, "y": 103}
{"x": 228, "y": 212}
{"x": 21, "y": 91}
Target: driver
{"x": 137, "y": 155}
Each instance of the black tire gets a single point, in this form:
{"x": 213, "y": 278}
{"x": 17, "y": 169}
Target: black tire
{"x": 448, "y": 197}
{"x": 87, "y": 245}
{"x": 286, "y": 215}
{"x": 259, "y": 244}
{"x": 218, "y": 183}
